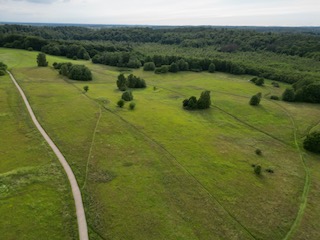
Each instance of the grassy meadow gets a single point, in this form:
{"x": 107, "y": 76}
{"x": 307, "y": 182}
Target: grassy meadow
{"x": 161, "y": 172}
{"x": 35, "y": 197}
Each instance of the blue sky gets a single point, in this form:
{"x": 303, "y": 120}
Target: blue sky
{"x": 165, "y": 12}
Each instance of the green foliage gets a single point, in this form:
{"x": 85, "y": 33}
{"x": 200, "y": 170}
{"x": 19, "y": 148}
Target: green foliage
{"x": 122, "y": 82}
{"x": 74, "y": 72}
{"x": 288, "y": 95}
{"x": 274, "y": 97}
{"x": 127, "y": 96}
{"x": 162, "y": 69}
{"x": 42, "y": 60}
{"x": 255, "y": 99}
{"x": 132, "y": 105}
{"x": 173, "y": 68}
{"x": 259, "y": 82}
{"x": 258, "y": 151}
{"x": 2, "y": 73}
{"x": 131, "y": 82}
{"x": 212, "y": 68}
{"x": 121, "y": 103}
{"x": 149, "y": 66}
{"x": 275, "y": 84}
{"x": 3, "y": 66}
{"x": 257, "y": 170}
{"x": 80, "y": 72}
{"x": 204, "y": 101}
{"x": 86, "y": 88}
{"x": 312, "y": 142}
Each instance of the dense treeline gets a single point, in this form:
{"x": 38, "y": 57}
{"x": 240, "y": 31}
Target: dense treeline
{"x": 71, "y": 49}
{"x": 224, "y": 39}
{"x": 303, "y": 91}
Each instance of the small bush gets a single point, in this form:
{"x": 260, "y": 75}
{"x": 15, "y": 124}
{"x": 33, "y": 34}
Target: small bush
{"x": 86, "y": 88}
{"x": 269, "y": 170}
{"x": 257, "y": 169}
{"x": 149, "y": 66}
{"x": 120, "y": 103}
{"x": 259, "y": 82}
{"x": 258, "y": 152}
{"x": 30, "y": 49}
{"x": 132, "y": 106}
{"x": 254, "y": 79}
{"x": 2, "y": 73}
{"x": 275, "y": 84}
{"x": 255, "y": 100}
{"x": 274, "y": 97}
{"x": 127, "y": 96}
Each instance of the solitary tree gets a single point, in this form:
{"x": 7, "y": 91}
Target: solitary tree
{"x": 120, "y": 103}
{"x": 86, "y": 88}
{"x": 255, "y": 100}
{"x": 259, "y": 82}
{"x": 42, "y": 60}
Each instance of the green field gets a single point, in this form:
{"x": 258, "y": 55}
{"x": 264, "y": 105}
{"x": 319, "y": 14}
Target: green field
{"x": 161, "y": 172}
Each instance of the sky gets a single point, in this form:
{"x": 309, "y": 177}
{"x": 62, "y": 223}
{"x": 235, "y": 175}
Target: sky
{"x": 164, "y": 12}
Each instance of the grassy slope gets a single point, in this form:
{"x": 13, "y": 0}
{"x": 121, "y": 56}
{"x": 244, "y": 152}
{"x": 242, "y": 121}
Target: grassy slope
{"x": 161, "y": 172}
{"x": 35, "y": 199}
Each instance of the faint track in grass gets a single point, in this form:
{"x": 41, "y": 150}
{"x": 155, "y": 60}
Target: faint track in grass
{"x": 306, "y": 187}
{"x": 91, "y": 146}
{"x": 159, "y": 145}
{"x": 81, "y": 217}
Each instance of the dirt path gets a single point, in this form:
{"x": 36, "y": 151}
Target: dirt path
{"x": 81, "y": 217}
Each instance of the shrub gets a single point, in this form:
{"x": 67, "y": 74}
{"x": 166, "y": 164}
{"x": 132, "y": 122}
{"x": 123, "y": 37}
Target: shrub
{"x": 149, "y": 66}
{"x": 269, "y": 170}
{"x": 30, "y": 49}
{"x": 3, "y": 66}
{"x": 132, "y": 106}
{"x": 259, "y": 82}
{"x": 274, "y": 97}
{"x": 258, "y": 152}
{"x": 120, "y": 103}
{"x": 254, "y": 79}
{"x": 275, "y": 84}
{"x": 86, "y": 88}
{"x": 122, "y": 82}
{"x": 162, "y": 69}
{"x": 255, "y": 99}
{"x": 127, "y": 96}
{"x": 257, "y": 169}
{"x": 2, "y": 73}
{"x": 312, "y": 142}
{"x": 288, "y": 95}
{"x": 79, "y": 72}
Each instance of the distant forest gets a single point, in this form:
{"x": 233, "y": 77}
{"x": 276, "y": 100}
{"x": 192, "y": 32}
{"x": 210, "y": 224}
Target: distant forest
{"x": 284, "y": 54}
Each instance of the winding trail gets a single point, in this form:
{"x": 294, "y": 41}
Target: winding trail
{"x": 81, "y": 217}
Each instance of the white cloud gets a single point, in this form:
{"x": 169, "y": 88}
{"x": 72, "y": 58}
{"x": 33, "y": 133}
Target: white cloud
{"x": 165, "y": 12}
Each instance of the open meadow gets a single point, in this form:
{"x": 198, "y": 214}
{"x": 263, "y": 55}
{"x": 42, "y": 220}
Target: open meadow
{"x": 158, "y": 171}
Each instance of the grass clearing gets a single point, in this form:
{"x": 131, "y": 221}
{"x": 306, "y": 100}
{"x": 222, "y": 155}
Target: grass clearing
{"x": 161, "y": 172}
{"x": 32, "y": 183}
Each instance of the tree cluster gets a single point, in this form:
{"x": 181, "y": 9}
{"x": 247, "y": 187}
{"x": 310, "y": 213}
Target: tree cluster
{"x": 303, "y": 91}
{"x": 74, "y": 71}
{"x": 132, "y": 81}
{"x": 203, "y": 102}
{"x": 258, "y": 81}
